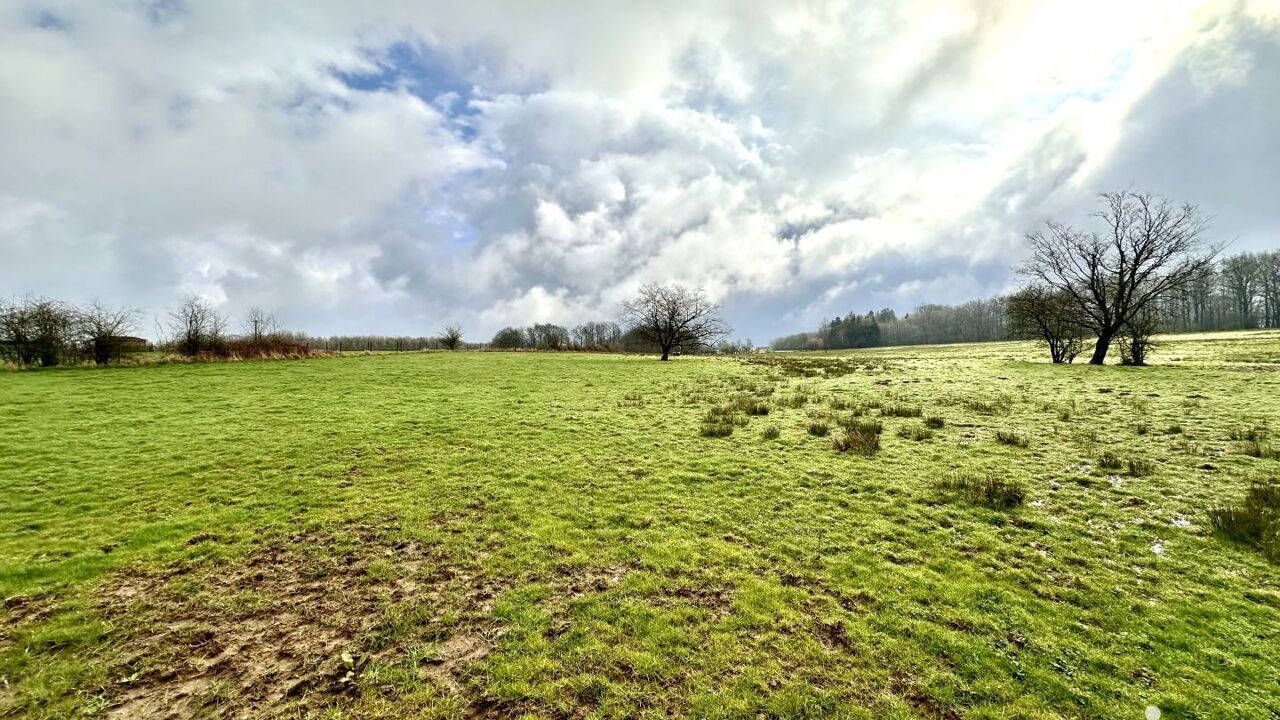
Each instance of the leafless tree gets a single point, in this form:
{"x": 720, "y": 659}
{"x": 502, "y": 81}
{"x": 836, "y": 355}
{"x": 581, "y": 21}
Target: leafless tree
{"x": 37, "y": 331}
{"x": 259, "y": 324}
{"x": 1051, "y": 316}
{"x": 1137, "y": 337}
{"x": 1150, "y": 247}
{"x": 196, "y": 326}
{"x": 674, "y": 317}
{"x": 103, "y": 330}
{"x": 451, "y": 336}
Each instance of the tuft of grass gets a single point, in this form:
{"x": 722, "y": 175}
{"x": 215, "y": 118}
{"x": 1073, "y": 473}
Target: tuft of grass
{"x": 1254, "y": 433}
{"x": 859, "y": 438}
{"x": 1260, "y": 449}
{"x": 862, "y": 424}
{"x": 1011, "y": 437}
{"x": 1174, "y": 429}
{"x": 1109, "y": 460}
{"x": 716, "y": 429}
{"x": 999, "y": 406}
{"x": 771, "y": 432}
{"x": 934, "y": 422}
{"x": 1139, "y": 467}
{"x": 818, "y": 428}
{"x": 1254, "y": 521}
{"x": 914, "y": 432}
{"x": 898, "y": 410}
{"x": 988, "y": 489}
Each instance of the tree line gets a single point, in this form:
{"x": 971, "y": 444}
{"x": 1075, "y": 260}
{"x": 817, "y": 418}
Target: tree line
{"x": 1148, "y": 269}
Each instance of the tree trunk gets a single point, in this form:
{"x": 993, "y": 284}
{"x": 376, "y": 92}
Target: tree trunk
{"x": 1100, "y": 350}
{"x": 666, "y": 352}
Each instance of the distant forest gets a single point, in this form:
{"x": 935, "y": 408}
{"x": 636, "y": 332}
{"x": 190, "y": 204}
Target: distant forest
{"x": 1242, "y": 291}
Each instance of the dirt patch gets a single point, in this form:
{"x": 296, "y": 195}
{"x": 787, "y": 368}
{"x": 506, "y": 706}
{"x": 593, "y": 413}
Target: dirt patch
{"x": 290, "y": 628}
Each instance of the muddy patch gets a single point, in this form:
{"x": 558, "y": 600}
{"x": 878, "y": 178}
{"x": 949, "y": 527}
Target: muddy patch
{"x": 292, "y": 627}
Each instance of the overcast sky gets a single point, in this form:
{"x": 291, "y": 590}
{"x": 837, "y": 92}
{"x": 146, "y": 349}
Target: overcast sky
{"x": 381, "y": 167}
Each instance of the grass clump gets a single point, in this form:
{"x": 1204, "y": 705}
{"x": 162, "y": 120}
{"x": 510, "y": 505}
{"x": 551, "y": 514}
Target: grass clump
{"x": 716, "y": 429}
{"x": 859, "y": 438}
{"x": 817, "y": 428}
{"x": 771, "y": 432}
{"x": 1255, "y": 521}
{"x": 915, "y": 432}
{"x": 1109, "y": 460}
{"x": 934, "y": 422}
{"x": 989, "y": 489}
{"x": 999, "y": 406}
{"x": 1011, "y": 437}
{"x": 897, "y": 410}
{"x": 1253, "y": 433}
{"x": 1259, "y": 449}
{"x": 1139, "y": 467}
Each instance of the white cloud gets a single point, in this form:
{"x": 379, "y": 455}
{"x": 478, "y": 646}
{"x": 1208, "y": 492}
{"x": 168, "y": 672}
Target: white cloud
{"x": 522, "y": 162}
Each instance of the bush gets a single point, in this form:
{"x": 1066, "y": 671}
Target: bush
{"x": 818, "y": 429}
{"x": 1255, "y": 521}
{"x": 989, "y": 490}
{"x": 934, "y": 422}
{"x": 1010, "y": 437}
{"x": 858, "y": 438}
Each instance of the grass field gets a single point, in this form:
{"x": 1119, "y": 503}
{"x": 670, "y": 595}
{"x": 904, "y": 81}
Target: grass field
{"x": 573, "y": 535}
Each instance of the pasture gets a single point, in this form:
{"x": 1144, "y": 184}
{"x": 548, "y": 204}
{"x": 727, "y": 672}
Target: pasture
{"x": 975, "y": 534}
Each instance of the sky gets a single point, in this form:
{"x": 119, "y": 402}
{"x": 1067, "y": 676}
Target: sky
{"x": 389, "y": 167}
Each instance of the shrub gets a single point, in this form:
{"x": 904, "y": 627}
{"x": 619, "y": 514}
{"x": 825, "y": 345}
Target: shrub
{"x": 771, "y": 432}
{"x": 990, "y": 490}
{"x": 1255, "y": 521}
{"x": 915, "y": 433}
{"x": 897, "y": 410}
{"x": 1010, "y": 437}
{"x": 858, "y": 438}
{"x": 934, "y": 422}
{"x": 818, "y": 429}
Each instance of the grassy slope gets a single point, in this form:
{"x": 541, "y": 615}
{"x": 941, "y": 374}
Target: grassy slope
{"x": 564, "y": 516}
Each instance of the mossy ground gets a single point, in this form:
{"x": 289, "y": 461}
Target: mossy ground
{"x": 553, "y": 535}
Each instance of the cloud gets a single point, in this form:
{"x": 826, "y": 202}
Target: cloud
{"x": 395, "y": 166}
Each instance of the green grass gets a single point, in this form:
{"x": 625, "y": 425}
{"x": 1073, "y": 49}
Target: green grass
{"x": 550, "y": 535}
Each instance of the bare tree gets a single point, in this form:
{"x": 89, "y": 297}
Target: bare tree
{"x": 1136, "y": 338}
{"x": 451, "y": 336}
{"x": 195, "y": 326}
{"x": 259, "y": 324}
{"x": 1049, "y": 315}
{"x": 1150, "y": 247}
{"x": 103, "y": 330}
{"x": 674, "y": 317}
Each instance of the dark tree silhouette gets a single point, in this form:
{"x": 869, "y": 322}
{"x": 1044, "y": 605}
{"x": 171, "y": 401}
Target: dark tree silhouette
{"x": 104, "y": 328}
{"x": 451, "y": 336}
{"x": 1048, "y": 315}
{"x": 1150, "y": 247}
{"x": 673, "y": 317}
